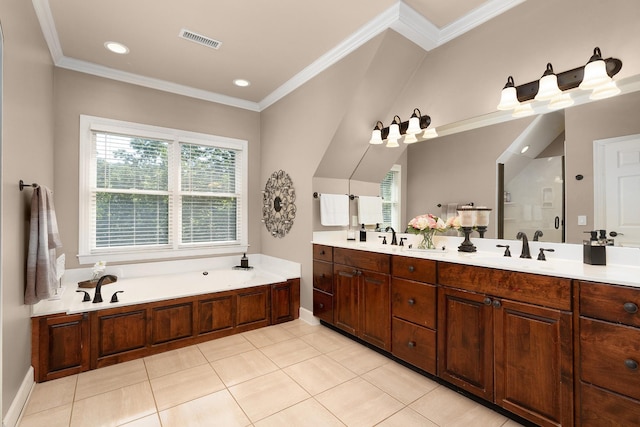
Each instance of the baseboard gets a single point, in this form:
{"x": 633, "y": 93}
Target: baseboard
{"x": 308, "y": 316}
{"x": 19, "y": 402}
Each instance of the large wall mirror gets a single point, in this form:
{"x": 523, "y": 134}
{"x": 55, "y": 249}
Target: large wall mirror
{"x": 548, "y": 188}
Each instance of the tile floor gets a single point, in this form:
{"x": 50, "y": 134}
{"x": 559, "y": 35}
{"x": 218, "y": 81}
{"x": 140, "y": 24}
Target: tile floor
{"x": 292, "y": 374}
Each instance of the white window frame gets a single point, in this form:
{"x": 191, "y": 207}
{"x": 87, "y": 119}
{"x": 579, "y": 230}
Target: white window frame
{"x": 396, "y": 205}
{"x": 89, "y": 255}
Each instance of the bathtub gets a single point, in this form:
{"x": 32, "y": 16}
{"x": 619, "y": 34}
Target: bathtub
{"x": 197, "y": 277}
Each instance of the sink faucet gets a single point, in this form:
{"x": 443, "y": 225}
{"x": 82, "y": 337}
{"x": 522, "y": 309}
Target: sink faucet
{"x": 97, "y": 297}
{"x": 394, "y": 241}
{"x": 525, "y": 245}
{"x": 537, "y": 235}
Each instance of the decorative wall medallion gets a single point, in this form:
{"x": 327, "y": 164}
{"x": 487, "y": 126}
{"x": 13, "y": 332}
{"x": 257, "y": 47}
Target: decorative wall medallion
{"x": 278, "y": 204}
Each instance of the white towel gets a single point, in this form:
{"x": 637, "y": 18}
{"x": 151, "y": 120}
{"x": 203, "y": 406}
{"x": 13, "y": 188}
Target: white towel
{"x": 334, "y": 209}
{"x": 370, "y": 210}
{"x": 43, "y": 242}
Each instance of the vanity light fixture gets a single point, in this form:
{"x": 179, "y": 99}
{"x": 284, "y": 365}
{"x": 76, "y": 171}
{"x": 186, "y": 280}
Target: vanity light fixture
{"x": 410, "y": 129}
{"x": 596, "y": 76}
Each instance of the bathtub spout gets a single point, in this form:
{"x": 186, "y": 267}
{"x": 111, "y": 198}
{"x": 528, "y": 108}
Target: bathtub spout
{"x": 97, "y": 297}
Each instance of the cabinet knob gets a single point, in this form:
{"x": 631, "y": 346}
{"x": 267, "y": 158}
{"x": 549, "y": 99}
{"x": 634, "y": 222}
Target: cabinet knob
{"x": 411, "y": 269}
{"x": 487, "y": 301}
{"x": 411, "y": 344}
{"x": 630, "y": 307}
{"x": 631, "y": 364}
{"x": 321, "y": 305}
{"x": 322, "y": 252}
{"x": 496, "y": 304}
{"x": 411, "y": 301}
{"x": 322, "y": 276}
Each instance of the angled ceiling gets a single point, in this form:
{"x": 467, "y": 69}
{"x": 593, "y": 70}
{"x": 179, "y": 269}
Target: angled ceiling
{"x": 277, "y": 46}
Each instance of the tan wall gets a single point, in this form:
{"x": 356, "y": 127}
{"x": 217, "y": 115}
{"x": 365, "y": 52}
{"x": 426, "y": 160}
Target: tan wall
{"x": 27, "y": 153}
{"x": 78, "y": 93}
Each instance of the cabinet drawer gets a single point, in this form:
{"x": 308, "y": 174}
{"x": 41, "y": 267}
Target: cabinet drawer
{"x": 414, "y": 302}
{"x": 323, "y": 306}
{"x": 421, "y": 270}
{"x": 608, "y": 302}
{"x": 323, "y": 276}
{"x": 323, "y": 253}
{"x": 609, "y": 354}
{"x": 600, "y": 408}
{"x": 414, "y": 344}
{"x": 547, "y": 291}
{"x": 362, "y": 260}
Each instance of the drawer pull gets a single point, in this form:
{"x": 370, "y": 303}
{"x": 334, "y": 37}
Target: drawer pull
{"x": 411, "y": 344}
{"x": 487, "y": 301}
{"x": 496, "y": 304}
{"x": 322, "y": 276}
{"x": 631, "y": 364}
{"x": 322, "y": 252}
{"x": 411, "y": 269}
{"x": 411, "y": 301}
{"x": 321, "y": 305}
{"x": 630, "y": 307}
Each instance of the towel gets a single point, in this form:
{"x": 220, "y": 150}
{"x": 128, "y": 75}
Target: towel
{"x": 370, "y": 210}
{"x": 43, "y": 242}
{"x": 334, "y": 209}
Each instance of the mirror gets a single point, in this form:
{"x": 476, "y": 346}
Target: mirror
{"x": 462, "y": 167}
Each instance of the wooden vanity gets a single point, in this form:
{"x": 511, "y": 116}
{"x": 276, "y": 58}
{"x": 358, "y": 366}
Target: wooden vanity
{"x": 553, "y": 350}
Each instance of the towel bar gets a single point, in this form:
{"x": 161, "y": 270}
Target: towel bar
{"x": 317, "y": 195}
{"x": 23, "y": 185}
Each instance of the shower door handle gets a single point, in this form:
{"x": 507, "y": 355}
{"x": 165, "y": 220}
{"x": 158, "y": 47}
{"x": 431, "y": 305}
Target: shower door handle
{"x": 557, "y": 222}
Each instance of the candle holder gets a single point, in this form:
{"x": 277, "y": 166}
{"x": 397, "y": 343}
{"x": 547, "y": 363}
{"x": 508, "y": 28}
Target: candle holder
{"x": 466, "y": 245}
{"x": 481, "y": 230}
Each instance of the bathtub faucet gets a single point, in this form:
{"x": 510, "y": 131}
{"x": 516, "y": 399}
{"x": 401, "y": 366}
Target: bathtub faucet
{"x": 97, "y": 297}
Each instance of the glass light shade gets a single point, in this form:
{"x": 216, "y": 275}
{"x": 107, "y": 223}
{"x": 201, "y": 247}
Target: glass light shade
{"x": 410, "y": 138}
{"x": 414, "y": 126}
{"x": 508, "y": 99}
{"x": 523, "y": 110}
{"x": 482, "y": 216}
{"x": 563, "y": 100}
{"x": 548, "y": 88}
{"x": 392, "y": 143}
{"x": 394, "y": 131}
{"x": 605, "y": 91}
{"x": 467, "y": 217}
{"x": 430, "y": 133}
{"x": 595, "y": 74}
{"x": 376, "y": 137}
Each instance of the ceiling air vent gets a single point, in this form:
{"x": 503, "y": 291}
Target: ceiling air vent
{"x": 200, "y": 39}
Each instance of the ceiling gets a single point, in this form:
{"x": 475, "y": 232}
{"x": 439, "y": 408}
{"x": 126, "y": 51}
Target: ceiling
{"x": 276, "y": 48}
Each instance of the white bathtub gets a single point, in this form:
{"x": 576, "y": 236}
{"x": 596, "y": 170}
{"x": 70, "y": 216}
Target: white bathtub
{"x": 168, "y": 280}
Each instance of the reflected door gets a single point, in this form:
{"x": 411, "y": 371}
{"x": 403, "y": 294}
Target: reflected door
{"x": 617, "y": 188}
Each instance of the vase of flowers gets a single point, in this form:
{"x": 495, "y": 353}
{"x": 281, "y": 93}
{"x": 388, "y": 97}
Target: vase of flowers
{"x": 426, "y": 226}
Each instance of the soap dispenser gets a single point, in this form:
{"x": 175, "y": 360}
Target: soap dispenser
{"x": 244, "y": 261}
{"x": 363, "y": 234}
{"x": 594, "y": 249}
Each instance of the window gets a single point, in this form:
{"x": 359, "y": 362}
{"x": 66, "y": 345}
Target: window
{"x": 149, "y": 192}
{"x": 390, "y": 191}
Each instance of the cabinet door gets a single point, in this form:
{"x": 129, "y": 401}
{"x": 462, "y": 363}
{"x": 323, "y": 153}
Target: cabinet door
{"x": 252, "y": 308}
{"x": 533, "y": 362}
{"x": 465, "y": 341}
{"x": 118, "y": 335}
{"x": 172, "y": 322}
{"x": 374, "y": 306}
{"x": 285, "y": 301}
{"x": 64, "y": 346}
{"x": 215, "y": 314}
{"x": 346, "y": 298}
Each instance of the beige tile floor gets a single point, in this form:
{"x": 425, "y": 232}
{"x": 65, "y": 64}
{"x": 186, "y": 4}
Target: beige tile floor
{"x": 292, "y": 374}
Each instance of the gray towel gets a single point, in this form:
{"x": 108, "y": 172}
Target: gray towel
{"x": 43, "y": 242}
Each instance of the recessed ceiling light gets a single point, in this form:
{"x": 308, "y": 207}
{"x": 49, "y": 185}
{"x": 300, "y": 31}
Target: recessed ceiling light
{"x": 116, "y": 47}
{"x": 524, "y": 149}
{"x": 241, "y": 82}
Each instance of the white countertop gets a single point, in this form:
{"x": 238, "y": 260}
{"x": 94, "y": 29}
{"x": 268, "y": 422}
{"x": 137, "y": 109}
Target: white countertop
{"x": 623, "y": 264}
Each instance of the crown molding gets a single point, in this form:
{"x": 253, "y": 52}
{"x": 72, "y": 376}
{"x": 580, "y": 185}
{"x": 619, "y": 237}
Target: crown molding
{"x": 399, "y": 17}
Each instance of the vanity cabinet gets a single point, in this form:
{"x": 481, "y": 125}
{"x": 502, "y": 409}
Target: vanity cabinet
{"x": 413, "y": 310}
{"x": 60, "y": 345}
{"x": 507, "y": 337}
{"x": 609, "y": 355}
{"x": 323, "y": 282}
{"x": 362, "y": 295}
